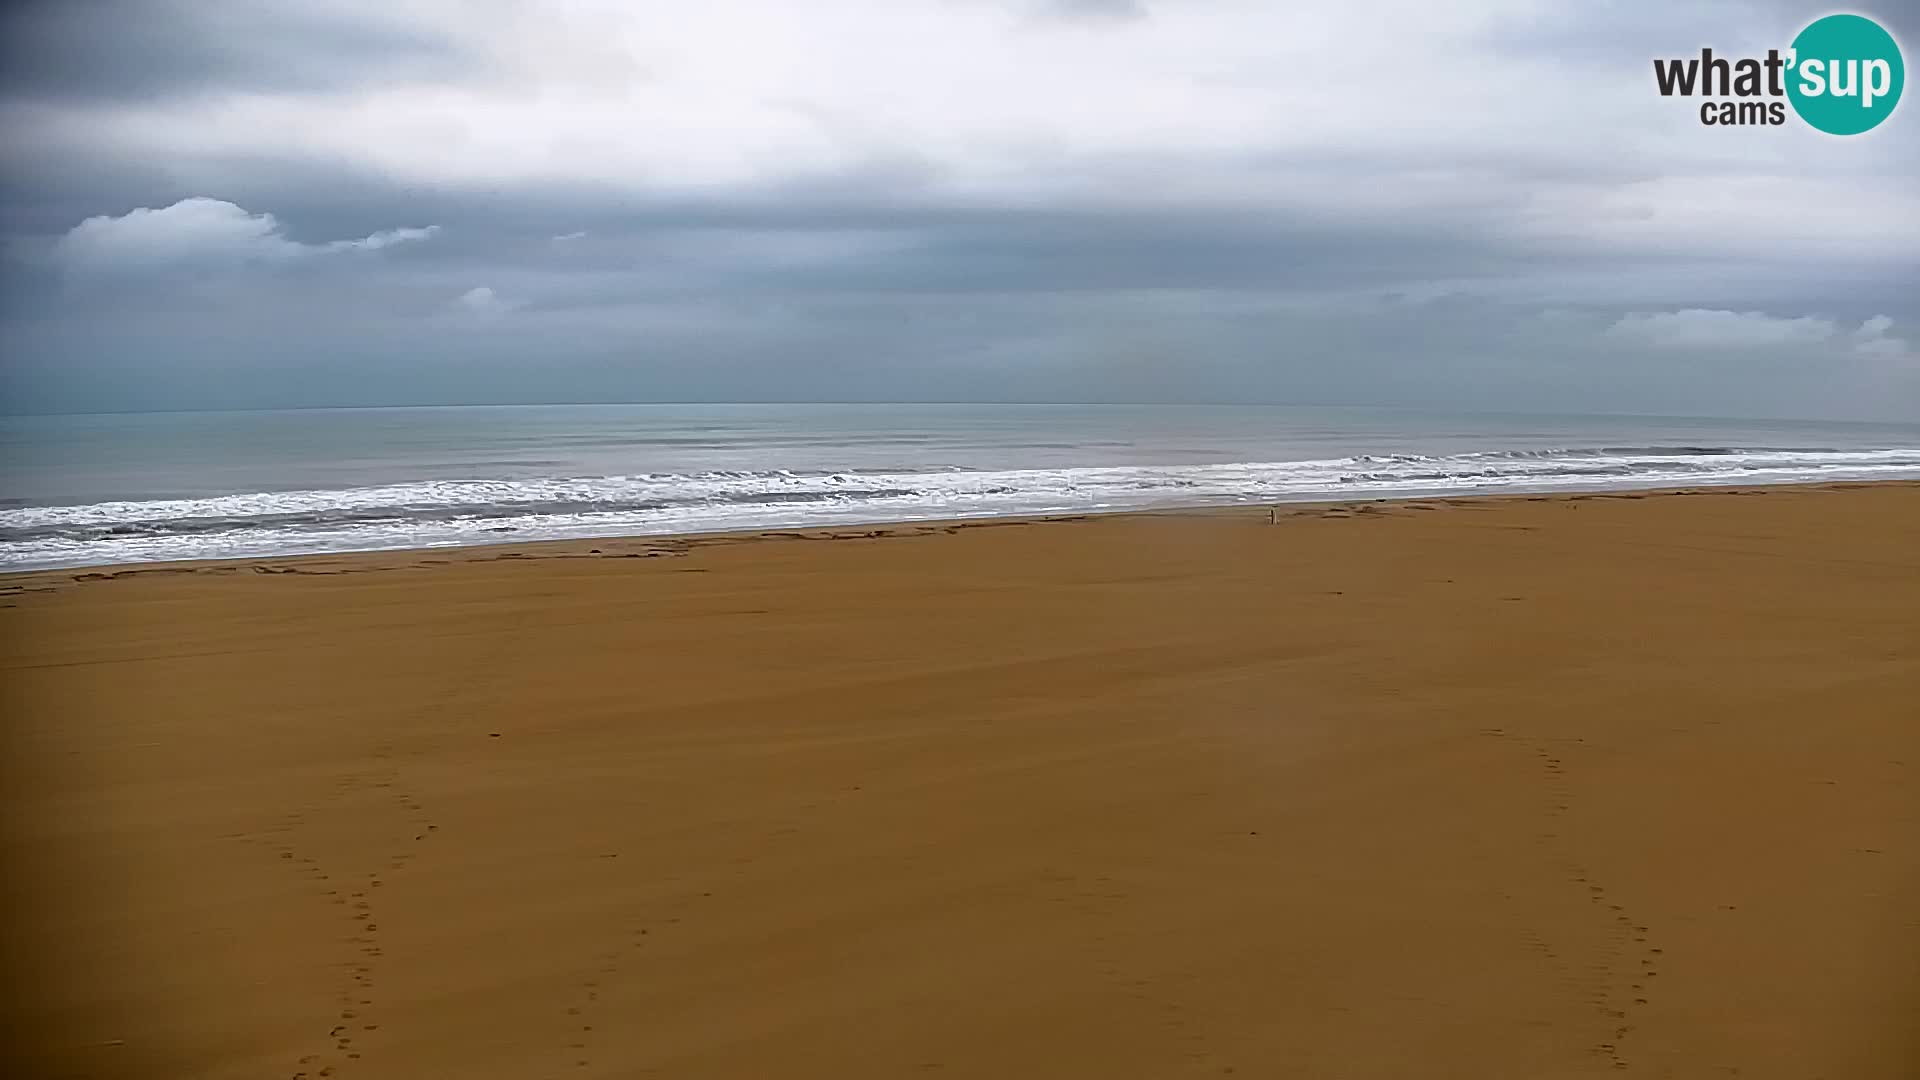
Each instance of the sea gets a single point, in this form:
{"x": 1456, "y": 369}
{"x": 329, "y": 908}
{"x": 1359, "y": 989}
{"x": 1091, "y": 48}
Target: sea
{"x": 123, "y": 488}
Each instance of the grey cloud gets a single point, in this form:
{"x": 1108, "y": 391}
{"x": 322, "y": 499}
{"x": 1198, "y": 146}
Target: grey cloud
{"x": 1150, "y": 346}
{"x": 1633, "y": 34}
{"x": 91, "y": 51}
{"x": 1097, "y": 9}
{"x": 876, "y": 280}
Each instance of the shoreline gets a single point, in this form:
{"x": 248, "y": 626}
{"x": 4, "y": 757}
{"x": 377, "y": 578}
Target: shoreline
{"x": 624, "y": 541}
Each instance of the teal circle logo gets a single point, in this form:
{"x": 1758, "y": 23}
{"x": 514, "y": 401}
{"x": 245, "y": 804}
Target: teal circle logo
{"x": 1846, "y": 74}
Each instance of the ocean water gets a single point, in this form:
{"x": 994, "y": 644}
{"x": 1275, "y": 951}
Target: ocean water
{"x": 86, "y": 490}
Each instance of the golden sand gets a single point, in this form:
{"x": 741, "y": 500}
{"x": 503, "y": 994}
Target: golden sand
{"x": 1534, "y": 788}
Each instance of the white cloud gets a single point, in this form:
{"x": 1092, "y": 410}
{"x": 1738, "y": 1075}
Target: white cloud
{"x": 383, "y": 238}
{"x": 200, "y": 230}
{"x": 1882, "y": 346}
{"x": 1872, "y": 339}
{"x": 1874, "y": 327}
{"x": 1709, "y": 328}
{"x": 1702, "y": 328}
{"x": 481, "y": 301}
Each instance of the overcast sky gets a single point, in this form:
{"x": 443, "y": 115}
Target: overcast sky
{"x": 1477, "y": 204}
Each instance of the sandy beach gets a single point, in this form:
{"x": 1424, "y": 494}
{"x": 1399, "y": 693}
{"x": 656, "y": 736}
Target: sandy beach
{"x": 1533, "y": 787}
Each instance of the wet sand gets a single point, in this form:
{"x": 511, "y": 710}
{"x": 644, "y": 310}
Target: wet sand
{"x": 1531, "y": 787}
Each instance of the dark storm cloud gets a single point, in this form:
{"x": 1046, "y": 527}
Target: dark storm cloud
{"x": 93, "y": 51}
{"x": 621, "y": 245}
{"x": 619, "y": 248}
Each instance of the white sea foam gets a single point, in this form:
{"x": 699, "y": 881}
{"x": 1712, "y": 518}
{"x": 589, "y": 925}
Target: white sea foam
{"x": 444, "y": 513}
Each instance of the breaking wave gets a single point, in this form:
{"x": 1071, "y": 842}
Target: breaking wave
{"x": 446, "y": 513}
